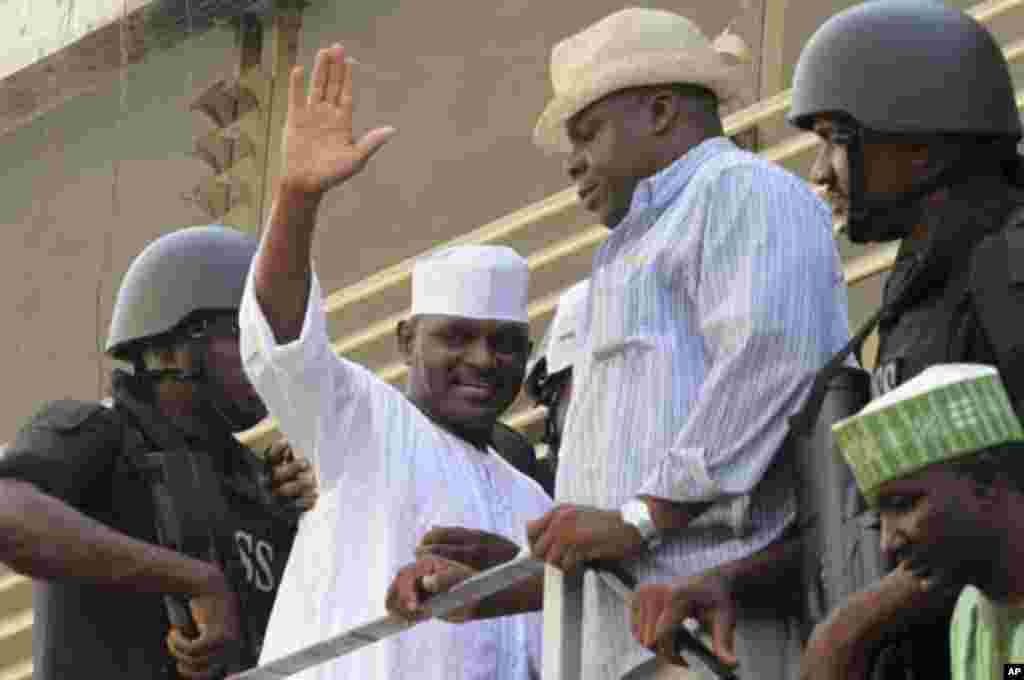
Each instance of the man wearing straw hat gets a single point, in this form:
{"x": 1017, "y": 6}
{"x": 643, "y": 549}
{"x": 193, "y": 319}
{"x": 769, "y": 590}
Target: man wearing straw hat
{"x": 716, "y": 297}
{"x": 390, "y": 465}
{"x": 714, "y": 300}
{"x": 941, "y": 458}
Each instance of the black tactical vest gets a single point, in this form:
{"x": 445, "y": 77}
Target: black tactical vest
{"x": 971, "y": 311}
{"x": 252, "y": 533}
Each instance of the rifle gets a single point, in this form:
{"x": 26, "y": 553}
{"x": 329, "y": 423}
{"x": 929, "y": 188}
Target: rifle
{"x": 189, "y": 508}
{"x": 181, "y": 498}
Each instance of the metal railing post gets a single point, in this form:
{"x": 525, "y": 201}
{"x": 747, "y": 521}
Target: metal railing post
{"x": 563, "y": 624}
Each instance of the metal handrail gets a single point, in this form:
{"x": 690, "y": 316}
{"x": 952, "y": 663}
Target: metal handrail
{"x": 855, "y": 271}
{"x": 563, "y": 201}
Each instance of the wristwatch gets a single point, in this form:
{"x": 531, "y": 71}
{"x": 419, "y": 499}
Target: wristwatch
{"x": 636, "y": 514}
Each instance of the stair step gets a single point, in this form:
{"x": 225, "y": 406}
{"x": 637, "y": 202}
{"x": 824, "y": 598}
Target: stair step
{"x": 15, "y": 594}
{"x": 22, "y": 670}
{"x": 16, "y": 637}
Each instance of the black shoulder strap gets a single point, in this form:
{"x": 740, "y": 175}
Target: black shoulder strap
{"x": 518, "y": 451}
{"x": 190, "y": 508}
{"x": 161, "y": 436}
{"x": 803, "y": 422}
{"x": 996, "y": 290}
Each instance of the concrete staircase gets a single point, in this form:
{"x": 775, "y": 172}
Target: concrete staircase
{"x": 15, "y": 626}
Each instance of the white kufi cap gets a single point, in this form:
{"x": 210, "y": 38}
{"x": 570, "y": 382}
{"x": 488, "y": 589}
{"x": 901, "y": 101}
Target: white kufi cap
{"x": 474, "y": 282}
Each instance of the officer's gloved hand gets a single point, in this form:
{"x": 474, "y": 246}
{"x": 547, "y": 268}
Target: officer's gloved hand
{"x": 215, "y": 649}
{"x": 292, "y": 479}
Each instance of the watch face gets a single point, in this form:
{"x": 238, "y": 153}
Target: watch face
{"x": 638, "y": 515}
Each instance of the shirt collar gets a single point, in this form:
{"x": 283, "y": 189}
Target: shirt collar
{"x": 658, "y": 190}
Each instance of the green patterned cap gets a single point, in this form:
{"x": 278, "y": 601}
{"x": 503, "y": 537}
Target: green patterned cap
{"x": 946, "y": 412}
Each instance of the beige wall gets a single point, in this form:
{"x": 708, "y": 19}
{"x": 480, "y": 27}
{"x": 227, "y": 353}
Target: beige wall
{"x": 85, "y": 187}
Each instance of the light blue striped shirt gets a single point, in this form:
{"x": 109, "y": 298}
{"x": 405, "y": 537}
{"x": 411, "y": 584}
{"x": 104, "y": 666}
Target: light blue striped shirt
{"x": 710, "y": 308}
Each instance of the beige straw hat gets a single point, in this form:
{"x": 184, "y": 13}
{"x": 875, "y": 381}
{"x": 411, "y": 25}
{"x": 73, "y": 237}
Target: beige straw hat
{"x": 632, "y": 48}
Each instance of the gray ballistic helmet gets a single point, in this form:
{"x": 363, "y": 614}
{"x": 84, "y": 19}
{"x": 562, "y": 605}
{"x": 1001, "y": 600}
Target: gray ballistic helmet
{"x": 187, "y": 271}
{"x": 906, "y": 66}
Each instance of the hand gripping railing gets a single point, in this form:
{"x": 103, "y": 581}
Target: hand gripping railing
{"x": 476, "y": 588}
{"x": 563, "y": 626}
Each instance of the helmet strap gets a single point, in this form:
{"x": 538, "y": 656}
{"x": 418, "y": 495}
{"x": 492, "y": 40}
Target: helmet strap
{"x": 889, "y": 217}
{"x": 208, "y": 394}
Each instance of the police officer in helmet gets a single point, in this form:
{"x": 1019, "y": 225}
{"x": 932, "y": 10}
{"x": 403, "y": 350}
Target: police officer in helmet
{"x": 77, "y": 510}
{"x": 916, "y": 111}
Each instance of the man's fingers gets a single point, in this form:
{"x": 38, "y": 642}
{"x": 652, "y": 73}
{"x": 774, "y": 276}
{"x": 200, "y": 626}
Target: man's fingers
{"x": 306, "y": 501}
{"x": 445, "y": 579}
{"x": 438, "y": 535}
{"x": 280, "y": 452}
{"x": 635, "y": 623}
{"x": 393, "y": 600}
{"x": 722, "y": 622}
{"x": 290, "y": 472}
{"x": 450, "y": 535}
{"x": 554, "y": 552}
{"x": 190, "y": 648}
{"x": 571, "y": 558}
{"x": 372, "y": 142}
{"x": 647, "y": 604}
{"x": 321, "y": 71}
{"x": 456, "y": 553}
{"x": 638, "y": 613}
{"x": 206, "y": 645}
{"x": 648, "y": 613}
{"x": 541, "y": 536}
{"x": 286, "y": 472}
{"x": 296, "y": 89}
{"x": 345, "y": 96}
{"x": 296, "y": 489}
{"x": 676, "y": 610}
{"x": 408, "y": 596}
{"x": 405, "y": 596}
{"x": 665, "y": 648}
{"x": 199, "y": 664}
{"x": 182, "y": 649}
{"x": 339, "y": 75}
{"x": 542, "y": 548}
{"x": 191, "y": 672}
{"x": 723, "y": 638}
{"x": 536, "y": 529}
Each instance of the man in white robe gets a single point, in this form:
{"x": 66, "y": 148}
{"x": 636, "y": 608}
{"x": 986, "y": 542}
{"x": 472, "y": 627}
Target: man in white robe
{"x": 390, "y": 465}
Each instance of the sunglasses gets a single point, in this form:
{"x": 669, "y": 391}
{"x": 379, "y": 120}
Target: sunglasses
{"x": 223, "y": 326}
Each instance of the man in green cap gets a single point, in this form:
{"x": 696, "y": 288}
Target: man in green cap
{"x": 940, "y": 459}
